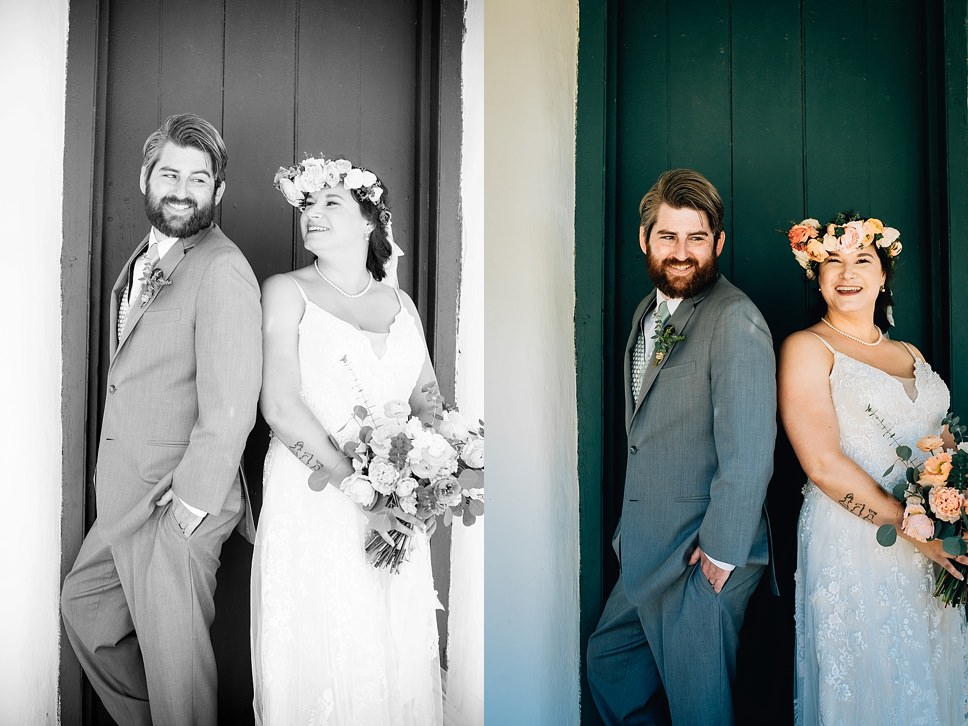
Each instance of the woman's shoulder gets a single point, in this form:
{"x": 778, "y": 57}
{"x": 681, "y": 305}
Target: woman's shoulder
{"x": 808, "y": 344}
{"x": 285, "y": 289}
{"x": 911, "y": 349}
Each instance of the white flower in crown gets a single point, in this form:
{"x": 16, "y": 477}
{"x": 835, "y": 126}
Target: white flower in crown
{"x": 316, "y": 173}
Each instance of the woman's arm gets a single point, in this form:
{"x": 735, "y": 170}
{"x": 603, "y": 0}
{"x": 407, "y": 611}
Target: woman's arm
{"x": 808, "y": 416}
{"x": 421, "y": 405}
{"x": 281, "y": 405}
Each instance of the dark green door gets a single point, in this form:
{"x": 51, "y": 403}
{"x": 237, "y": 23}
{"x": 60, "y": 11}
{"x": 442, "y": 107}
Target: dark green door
{"x": 793, "y": 109}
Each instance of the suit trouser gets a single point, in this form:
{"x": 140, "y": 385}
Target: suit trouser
{"x": 138, "y": 615}
{"x": 683, "y": 646}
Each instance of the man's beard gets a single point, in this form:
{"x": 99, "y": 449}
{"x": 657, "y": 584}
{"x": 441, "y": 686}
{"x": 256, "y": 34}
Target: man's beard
{"x": 703, "y": 275}
{"x": 200, "y": 218}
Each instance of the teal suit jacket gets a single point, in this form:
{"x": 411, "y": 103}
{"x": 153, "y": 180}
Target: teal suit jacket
{"x": 701, "y": 435}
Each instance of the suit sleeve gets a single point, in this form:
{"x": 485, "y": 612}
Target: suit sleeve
{"x": 743, "y": 389}
{"x": 228, "y": 377}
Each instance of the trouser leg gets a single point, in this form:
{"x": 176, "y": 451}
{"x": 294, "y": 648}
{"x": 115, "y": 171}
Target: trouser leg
{"x": 621, "y": 665}
{"x": 700, "y": 637}
{"x": 100, "y": 629}
{"x": 171, "y": 580}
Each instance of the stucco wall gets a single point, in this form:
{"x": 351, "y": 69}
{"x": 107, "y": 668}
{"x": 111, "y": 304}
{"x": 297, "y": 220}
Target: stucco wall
{"x": 531, "y": 564}
{"x": 33, "y": 53}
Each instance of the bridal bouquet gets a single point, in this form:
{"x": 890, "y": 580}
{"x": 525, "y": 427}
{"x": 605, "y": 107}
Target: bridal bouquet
{"x": 935, "y": 498}
{"x": 402, "y": 465}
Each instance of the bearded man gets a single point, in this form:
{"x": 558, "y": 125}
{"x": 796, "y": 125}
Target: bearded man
{"x": 700, "y": 415}
{"x": 182, "y": 387}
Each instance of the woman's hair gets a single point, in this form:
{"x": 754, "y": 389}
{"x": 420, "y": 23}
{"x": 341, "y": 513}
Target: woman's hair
{"x": 187, "y": 129}
{"x": 378, "y": 215}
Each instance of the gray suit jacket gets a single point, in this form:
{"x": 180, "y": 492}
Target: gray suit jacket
{"x": 701, "y": 435}
{"x": 183, "y": 385}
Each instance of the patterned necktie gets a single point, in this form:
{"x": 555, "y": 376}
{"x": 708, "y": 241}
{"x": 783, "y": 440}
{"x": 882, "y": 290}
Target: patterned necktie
{"x": 644, "y": 346}
{"x": 148, "y": 262}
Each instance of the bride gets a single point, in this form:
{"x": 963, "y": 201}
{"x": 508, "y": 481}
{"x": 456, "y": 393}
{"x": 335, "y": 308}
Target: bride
{"x": 334, "y": 639}
{"x": 873, "y": 644}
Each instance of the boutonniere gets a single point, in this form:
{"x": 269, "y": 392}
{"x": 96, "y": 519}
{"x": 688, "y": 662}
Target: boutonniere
{"x": 151, "y": 285}
{"x": 665, "y": 339}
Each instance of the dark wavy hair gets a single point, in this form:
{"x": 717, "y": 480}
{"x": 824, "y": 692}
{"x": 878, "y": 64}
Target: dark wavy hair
{"x": 187, "y": 129}
{"x": 377, "y": 215}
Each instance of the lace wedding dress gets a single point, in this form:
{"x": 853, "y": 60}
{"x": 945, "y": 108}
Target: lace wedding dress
{"x": 335, "y": 640}
{"x": 873, "y": 645}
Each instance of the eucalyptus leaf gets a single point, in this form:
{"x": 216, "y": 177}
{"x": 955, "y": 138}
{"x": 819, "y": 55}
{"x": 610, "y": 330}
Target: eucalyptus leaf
{"x": 900, "y": 490}
{"x": 888, "y": 472}
{"x": 360, "y": 412}
{"x": 475, "y": 507}
{"x": 955, "y": 546}
{"x": 886, "y": 535}
{"x": 912, "y": 475}
{"x": 903, "y": 452}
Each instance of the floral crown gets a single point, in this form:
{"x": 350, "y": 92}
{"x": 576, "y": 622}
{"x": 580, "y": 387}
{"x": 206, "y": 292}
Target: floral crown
{"x": 812, "y": 243}
{"x": 315, "y": 174}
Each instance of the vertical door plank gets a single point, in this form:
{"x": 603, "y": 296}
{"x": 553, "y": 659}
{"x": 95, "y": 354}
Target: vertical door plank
{"x": 191, "y": 56}
{"x": 837, "y": 148}
{"x": 899, "y": 153}
{"x": 258, "y": 129}
{"x": 767, "y": 159}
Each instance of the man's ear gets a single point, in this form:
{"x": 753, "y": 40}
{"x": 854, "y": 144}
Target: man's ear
{"x": 144, "y": 180}
{"x": 643, "y": 242}
{"x": 219, "y": 191}
{"x": 720, "y": 243}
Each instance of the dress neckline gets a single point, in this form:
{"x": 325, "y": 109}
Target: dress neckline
{"x": 377, "y": 336}
{"x": 899, "y": 380}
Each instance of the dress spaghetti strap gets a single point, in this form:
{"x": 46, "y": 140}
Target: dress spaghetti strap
{"x": 911, "y": 351}
{"x": 298, "y": 287}
{"x": 825, "y": 343}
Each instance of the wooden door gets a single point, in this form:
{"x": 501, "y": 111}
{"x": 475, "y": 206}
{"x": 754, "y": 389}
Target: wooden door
{"x": 376, "y": 82}
{"x": 793, "y": 109}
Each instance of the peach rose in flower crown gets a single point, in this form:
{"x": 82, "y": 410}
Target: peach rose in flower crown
{"x": 800, "y": 233}
{"x": 916, "y": 523}
{"x": 936, "y": 470}
{"x": 930, "y": 443}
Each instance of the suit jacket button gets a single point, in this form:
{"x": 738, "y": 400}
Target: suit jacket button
{"x": 112, "y": 388}
{"x": 633, "y": 449}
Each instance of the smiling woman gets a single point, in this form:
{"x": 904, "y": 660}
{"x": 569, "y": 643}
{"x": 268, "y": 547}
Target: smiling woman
{"x": 848, "y": 397}
{"x": 328, "y": 640}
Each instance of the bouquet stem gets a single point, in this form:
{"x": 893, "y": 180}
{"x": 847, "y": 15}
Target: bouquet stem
{"x": 952, "y": 591}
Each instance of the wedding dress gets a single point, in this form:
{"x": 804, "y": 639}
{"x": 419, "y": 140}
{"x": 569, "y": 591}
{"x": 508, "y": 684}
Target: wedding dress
{"x": 336, "y": 641}
{"x": 873, "y": 644}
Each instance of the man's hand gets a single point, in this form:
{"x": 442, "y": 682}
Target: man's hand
{"x": 716, "y": 575}
{"x": 186, "y": 520}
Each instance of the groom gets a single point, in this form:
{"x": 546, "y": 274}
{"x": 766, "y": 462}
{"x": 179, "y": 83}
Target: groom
{"x": 700, "y": 416}
{"x": 182, "y": 385}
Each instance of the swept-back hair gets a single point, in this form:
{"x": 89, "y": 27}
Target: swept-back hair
{"x": 682, "y": 188}
{"x": 187, "y": 129}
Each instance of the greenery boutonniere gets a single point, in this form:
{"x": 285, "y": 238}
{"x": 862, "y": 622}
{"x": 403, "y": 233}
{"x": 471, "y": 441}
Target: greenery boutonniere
{"x": 151, "y": 284}
{"x": 665, "y": 339}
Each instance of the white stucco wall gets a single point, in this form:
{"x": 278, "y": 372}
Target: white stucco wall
{"x": 531, "y": 564}
{"x": 33, "y": 55}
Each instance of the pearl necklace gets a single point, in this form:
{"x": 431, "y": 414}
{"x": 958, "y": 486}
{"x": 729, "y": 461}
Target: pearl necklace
{"x": 880, "y": 335}
{"x": 340, "y": 290}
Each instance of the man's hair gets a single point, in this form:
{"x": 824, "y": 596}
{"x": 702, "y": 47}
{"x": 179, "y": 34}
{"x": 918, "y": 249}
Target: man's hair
{"x": 682, "y": 188}
{"x": 187, "y": 129}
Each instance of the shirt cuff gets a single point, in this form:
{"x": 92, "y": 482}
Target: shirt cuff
{"x": 198, "y": 512}
{"x": 721, "y": 565}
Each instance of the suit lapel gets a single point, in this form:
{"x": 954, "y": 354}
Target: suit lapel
{"x": 120, "y": 288}
{"x": 167, "y": 265}
{"x": 679, "y": 321}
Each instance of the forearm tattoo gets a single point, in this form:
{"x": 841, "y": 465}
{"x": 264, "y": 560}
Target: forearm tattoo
{"x": 858, "y": 508}
{"x": 306, "y": 457}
